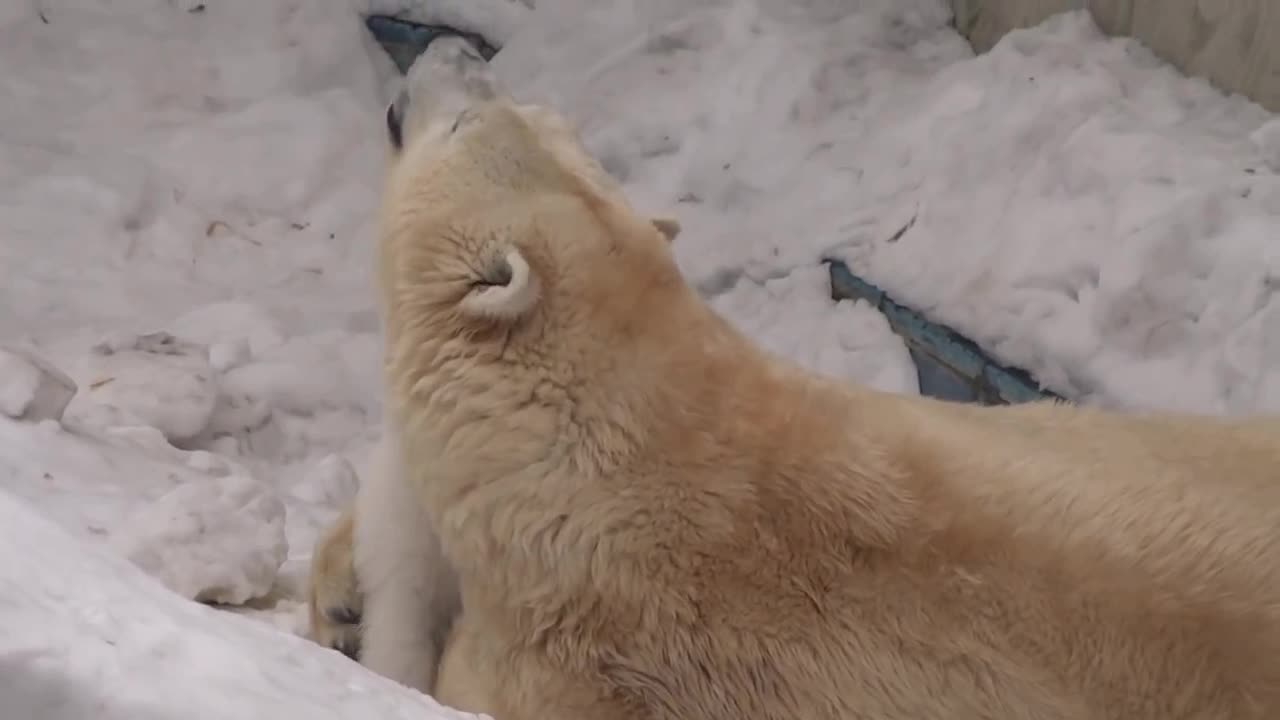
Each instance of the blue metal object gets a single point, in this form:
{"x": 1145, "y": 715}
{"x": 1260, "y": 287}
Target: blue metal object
{"x": 404, "y": 41}
{"x": 949, "y": 366}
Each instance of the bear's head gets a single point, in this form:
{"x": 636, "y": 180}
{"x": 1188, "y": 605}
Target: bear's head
{"x": 451, "y": 77}
{"x": 511, "y": 266}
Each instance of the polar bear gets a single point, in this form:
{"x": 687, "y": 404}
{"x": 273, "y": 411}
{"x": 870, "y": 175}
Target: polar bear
{"x": 648, "y": 516}
{"x": 363, "y": 559}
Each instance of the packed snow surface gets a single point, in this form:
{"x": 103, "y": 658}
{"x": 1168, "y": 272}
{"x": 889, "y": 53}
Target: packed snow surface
{"x": 87, "y": 634}
{"x": 186, "y": 192}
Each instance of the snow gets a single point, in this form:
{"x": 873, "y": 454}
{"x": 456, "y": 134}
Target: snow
{"x": 89, "y": 635}
{"x": 218, "y": 541}
{"x": 153, "y": 380}
{"x": 792, "y": 315}
{"x": 186, "y": 193}
{"x": 1067, "y": 200}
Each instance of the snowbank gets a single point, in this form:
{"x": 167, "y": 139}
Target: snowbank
{"x": 1070, "y": 202}
{"x": 88, "y": 635}
{"x": 187, "y": 191}
{"x": 1229, "y": 42}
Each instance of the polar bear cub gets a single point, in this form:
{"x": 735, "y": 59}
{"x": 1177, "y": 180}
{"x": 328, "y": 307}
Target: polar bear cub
{"x": 647, "y": 516}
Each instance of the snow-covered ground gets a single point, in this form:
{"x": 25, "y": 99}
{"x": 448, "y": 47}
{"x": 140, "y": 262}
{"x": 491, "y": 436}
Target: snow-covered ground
{"x": 185, "y": 199}
{"x": 89, "y": 636}
{"x": 1069, "y": 201}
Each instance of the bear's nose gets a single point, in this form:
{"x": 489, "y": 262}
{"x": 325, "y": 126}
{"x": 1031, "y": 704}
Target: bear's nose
{"x": 395, "y": 130}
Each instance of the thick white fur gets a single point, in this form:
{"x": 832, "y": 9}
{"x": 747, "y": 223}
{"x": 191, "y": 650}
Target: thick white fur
{"x": 374, "y": 585}
{"x": 410, "y": 593}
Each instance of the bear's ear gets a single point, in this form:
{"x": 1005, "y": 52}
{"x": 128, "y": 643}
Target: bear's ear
{"x": 505, "y": 289}
{"x": 668, "y": 226}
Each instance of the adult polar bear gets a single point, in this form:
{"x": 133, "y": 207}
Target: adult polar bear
{"x": 649, "y": 517}
{"x": 407, "y": 595}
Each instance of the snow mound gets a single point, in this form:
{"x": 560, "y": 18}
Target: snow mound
{"x": 203, "y": 525}
{"x": 89, "y": 635}
{"x": 1072, "y": 203}
{"x": 221, "y": 541}
{"x": 155, "y": 380}
{"x": 787, "y": 311}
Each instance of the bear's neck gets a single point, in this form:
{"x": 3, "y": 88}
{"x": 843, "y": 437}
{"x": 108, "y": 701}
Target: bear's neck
{"x": 698, "y": 416}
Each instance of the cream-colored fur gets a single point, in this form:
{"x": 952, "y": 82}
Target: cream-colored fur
{"x": 409, "y": 594}
{"x": 650, "y": 517}
{"x": 376, "y": 591}
{"x": 380, "y": 593}
{"x": 334, "y": 601}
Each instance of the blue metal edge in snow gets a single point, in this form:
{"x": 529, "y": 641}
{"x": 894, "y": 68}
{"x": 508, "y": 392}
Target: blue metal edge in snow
{"x": 404, "y": 40}
{"x": 949, "y": 365}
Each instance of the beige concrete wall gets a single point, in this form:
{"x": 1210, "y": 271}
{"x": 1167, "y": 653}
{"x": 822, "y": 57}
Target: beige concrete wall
{"x": 984, "y": 22}
{"x": 1235, "y": 44}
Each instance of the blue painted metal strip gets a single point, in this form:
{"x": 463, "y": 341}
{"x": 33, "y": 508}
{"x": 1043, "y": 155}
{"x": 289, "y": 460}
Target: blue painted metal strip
{"x": 404, "y": 41}
{"x": 948, "y": 365}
